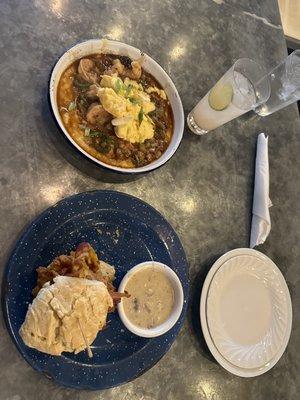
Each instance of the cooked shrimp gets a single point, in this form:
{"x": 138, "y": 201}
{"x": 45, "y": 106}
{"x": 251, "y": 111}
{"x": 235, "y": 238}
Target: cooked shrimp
{"x": 136, "y": 69}
{"x": 85, "y": 69}
{"x": 92, "y": 92}
{"x": 116, "y": 69}
{"x": 96, "y": 115}
{"x": 118, "y": 66}
{"x": 134, "y": 72}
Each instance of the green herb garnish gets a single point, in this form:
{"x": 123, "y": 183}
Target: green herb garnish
{"x": 89, "y": 132}
{"x": 133, "y": 100}
{"x": 83, "y": 100}
{"x": 104, "y": 147}
{"x": 106, "y": 144}
{"x": 128, "y": 90}
{"x": 118, "y": 86}
{"x": 72, "y": 106}
{"x": 141, "y": 115}
{"x": 81, "y": 85}
{"x": 95, "y": 133}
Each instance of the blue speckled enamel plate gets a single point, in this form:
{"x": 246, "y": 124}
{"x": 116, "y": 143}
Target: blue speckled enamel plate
{"x": 124, "y": 232}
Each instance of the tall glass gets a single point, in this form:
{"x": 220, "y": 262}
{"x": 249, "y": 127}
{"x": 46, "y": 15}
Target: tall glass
{"x": 238, "y": 91}
{"x": 285, "y": 85}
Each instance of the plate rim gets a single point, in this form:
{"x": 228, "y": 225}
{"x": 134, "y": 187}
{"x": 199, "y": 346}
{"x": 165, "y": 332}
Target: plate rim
{"x": 242, "y": 372}
{"x": 6, "y": 271}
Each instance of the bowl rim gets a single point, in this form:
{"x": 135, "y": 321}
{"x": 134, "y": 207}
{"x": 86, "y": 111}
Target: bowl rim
{"x": 55, "y": 113}
{"x": 176, "y": 312}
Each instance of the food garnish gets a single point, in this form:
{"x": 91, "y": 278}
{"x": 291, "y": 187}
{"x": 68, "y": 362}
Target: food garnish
{"x": 220, "y": 96}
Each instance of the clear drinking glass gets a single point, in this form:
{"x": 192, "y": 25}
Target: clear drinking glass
{"x": 238, "y": 91}
{"x": 285, "y": 85}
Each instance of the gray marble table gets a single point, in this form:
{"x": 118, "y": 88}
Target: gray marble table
{"x": 204, "y": 191}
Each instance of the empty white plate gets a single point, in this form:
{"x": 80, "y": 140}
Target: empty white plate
{"x": 246, "y": 312}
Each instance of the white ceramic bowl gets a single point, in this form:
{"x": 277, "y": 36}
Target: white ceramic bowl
{"x": 151, "y": 66}
{"x": 178, "y": 301}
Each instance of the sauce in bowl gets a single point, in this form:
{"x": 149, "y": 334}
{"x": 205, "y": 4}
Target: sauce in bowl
{"x": 151, "y": 298}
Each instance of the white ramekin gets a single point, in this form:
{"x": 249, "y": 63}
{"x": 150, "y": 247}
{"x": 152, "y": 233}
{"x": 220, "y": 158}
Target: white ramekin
{"x": 178, "y": 301}
{"x": 151, "y": 66}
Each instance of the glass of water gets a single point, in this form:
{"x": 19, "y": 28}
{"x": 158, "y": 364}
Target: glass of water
{"x": 239, "y": 90}
{"x": 285, "y": 85}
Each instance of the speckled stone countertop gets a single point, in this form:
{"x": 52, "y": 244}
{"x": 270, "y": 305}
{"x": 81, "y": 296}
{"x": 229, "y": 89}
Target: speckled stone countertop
{"x": 205, "y": 191}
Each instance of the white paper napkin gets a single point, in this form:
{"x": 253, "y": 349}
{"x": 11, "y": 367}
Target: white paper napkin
{"x": 261, "y": 222}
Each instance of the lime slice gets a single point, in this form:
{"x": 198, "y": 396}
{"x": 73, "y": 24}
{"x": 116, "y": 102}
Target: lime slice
{"x": 220, "y": 96}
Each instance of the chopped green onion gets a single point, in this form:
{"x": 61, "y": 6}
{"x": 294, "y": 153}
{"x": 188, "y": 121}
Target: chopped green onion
{"x": 104, "y": 147}
{"x": 81, "y": 85}
{"x": 128, "y": 90}
{"x": 141, "y": 115}
{"x": 110, "y": 139}
{"x": 72, "y": 106}
{"x": 118, "y": 85}
{"x": 87, "y": 131}
{"x": 133, "y": 100}
{"x": 95, "y": 133}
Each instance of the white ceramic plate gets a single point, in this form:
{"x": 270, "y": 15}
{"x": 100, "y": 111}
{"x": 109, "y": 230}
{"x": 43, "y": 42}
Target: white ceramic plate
{"x": 246, "y": 312}
{"x": 151, "y": 66}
